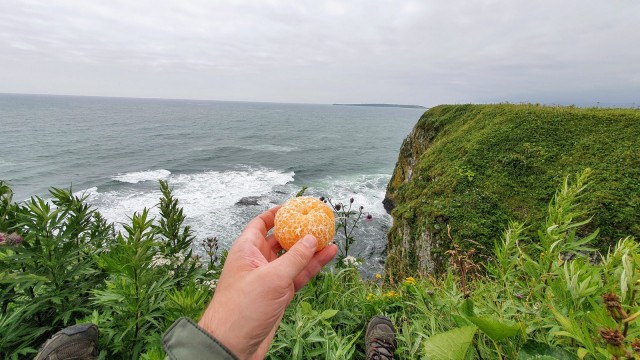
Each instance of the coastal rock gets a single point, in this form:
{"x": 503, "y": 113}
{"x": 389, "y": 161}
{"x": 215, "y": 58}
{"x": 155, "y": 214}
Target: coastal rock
{"x": 249, "y": 201}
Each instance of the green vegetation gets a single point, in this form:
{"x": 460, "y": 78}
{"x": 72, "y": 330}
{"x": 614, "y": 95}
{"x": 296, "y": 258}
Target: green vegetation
{"x": 385, "y": 105}
{"x": 66, "y": 264}
{"x": 476, "y": 167}
{"x": 544, "y": 299}
{"x": 547, "y": 299}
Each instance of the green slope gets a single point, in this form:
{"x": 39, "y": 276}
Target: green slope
{"x": 475, "y": 167}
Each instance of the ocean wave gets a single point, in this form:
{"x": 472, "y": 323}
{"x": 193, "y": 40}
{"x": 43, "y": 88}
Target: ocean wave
{"x": 6, "y": 163}
{"x": 224, "y": 189}
{"x": 86, "y": 192}
{"x": 208, "y": 199}
{"x": 140, "y": 176}
{"x": 256, "y": 147}
{"x": 366, "y": 190}
{"x": 270, "y": 148}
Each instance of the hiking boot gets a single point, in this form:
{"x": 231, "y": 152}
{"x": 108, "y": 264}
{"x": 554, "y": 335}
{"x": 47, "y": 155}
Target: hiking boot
{"x": 77, "y": 342}
{"x": 380, "y": 339}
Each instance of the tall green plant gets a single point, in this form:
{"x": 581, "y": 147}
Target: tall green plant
{"x": 580, "y": 299}
{"x": 175, "y": 237}
{"x": 153, "y": 280}
{"x": 72, "y": 266}
{"x": 48, "y": 277}
{"x": 7, "y": 207}
{"x": 504, "y": 268}
{"x": 348, "y": 219}
{"x": 131, "y": 304}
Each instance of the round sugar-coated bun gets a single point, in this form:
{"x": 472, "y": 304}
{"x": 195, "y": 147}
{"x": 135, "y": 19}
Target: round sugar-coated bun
{"x": 301, "y": 216}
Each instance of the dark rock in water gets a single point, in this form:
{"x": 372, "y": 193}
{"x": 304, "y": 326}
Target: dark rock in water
{"x": 248, "y": 201}
{"x": 388, "y": 205}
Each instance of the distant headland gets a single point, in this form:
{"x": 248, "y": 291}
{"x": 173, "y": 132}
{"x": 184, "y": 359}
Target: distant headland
{"x": 385, "y": 105}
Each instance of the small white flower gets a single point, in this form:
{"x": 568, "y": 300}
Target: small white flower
{"x": 179, "y": 257}
{"x": 172, "y": 273}
{"x": 351, "y": 261}
{"x": 212, "y": 284}
{"x": 159, "y": 260}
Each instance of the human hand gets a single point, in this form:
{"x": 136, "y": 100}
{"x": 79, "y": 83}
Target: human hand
{"x": 256, "y": 286}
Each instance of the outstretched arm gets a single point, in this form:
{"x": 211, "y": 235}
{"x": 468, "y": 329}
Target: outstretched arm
{"x": 256, "y": 286}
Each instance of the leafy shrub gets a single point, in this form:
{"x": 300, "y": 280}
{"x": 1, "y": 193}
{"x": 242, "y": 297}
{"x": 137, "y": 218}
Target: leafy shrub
{"x": 48, "y": 278}
{"x": 73, "y": 266}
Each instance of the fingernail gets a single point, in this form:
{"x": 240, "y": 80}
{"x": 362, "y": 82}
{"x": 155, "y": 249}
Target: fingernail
{"x": 310, "y": 241}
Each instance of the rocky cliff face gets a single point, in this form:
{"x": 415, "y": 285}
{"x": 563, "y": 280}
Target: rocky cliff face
{"x": 476, "y": 167}
{"x": 411, "y": 150}
{"x": 411, "y": 244}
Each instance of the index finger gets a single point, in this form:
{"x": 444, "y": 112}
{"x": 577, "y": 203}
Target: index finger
{"x": 263, "y": 222}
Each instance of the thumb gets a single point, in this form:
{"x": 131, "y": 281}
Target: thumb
{"x": 297, "y": 258}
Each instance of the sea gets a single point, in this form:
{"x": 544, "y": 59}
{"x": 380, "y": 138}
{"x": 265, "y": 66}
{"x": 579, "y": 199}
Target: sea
{"x": 226, "y": 161}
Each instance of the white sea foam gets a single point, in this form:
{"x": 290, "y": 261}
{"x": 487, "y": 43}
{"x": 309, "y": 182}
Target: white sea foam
{"x": 371, "y": 236}
{"x": 366, "y": 190}
{"x": 140, "y": 176}
{"x": 208, "y": 199}
{"x": 86, "y": 192}
{"x": 271, "y": 148}
{"x": 5, "y": 163}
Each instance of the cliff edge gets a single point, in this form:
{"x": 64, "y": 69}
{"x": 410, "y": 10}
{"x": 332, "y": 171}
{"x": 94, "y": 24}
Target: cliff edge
{"x": 475, "y": 167}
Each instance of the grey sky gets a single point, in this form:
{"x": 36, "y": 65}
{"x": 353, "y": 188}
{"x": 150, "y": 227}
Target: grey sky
{"x": 421, "y": 52}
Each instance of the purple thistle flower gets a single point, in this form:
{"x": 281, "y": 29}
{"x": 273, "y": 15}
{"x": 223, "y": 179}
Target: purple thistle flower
{"x": 11, "y": 239}
{"x": 361, "y": 208}
{"x": 519, "y": 295}
{"x": 322, "y": 198}
{"x": 351, "y": 201}
{"x": 338, "y": 207}
{"x": 369, "y": 217}
{"x": 15, "y": 239}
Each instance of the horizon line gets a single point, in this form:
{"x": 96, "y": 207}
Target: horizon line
{"x": 166, "y": 98}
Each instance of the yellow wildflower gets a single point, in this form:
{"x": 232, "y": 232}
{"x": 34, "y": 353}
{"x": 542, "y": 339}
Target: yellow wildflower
{"x": 370, "y": 297}
{"x": 410, "y": 281}
{"x": 378, "y": 276}
{"x": 391, "y": 294}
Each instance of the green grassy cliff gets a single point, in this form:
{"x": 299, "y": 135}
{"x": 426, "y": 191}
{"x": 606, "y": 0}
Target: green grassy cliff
{"x": 475, "y": 167}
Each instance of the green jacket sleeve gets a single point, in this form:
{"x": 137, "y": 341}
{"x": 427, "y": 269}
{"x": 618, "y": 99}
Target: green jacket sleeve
{"x": 186, "y": 340}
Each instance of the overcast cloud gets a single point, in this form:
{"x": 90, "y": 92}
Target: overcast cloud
{"x": 419, "y": 52}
